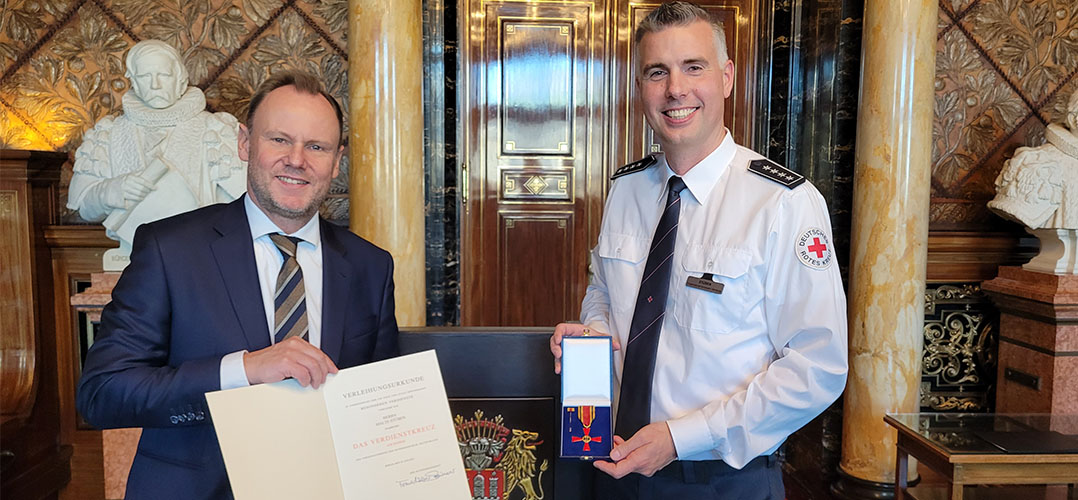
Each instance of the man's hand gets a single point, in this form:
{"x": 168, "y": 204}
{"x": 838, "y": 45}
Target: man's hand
{"x": 295, "y": 358}
{"x": 572, "y": 330}
{"x": 136, "y": 188}
{"x": 649, "y": 450}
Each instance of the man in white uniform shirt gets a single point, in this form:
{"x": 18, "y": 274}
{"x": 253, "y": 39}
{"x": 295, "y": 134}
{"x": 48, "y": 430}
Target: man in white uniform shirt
{"x": 715, "y": 274}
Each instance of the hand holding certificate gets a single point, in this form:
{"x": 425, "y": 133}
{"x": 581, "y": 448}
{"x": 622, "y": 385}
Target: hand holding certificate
{"x": 381, "y": 430}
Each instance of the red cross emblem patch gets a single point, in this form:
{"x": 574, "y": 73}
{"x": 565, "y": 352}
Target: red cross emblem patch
{"x": 813, "y": 249}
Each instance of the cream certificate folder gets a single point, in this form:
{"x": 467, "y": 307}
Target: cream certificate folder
{"x": 381, "y": 430}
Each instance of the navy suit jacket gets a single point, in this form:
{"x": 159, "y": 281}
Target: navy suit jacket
{"x": 190, "y": 296}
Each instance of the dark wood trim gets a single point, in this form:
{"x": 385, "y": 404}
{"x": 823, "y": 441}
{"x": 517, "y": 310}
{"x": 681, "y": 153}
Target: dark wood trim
{"x": 73, "y": 236}
{"x": 968, "y": 256}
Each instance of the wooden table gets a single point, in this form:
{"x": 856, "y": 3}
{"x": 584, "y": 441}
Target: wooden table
{"x": 948, "y": 444}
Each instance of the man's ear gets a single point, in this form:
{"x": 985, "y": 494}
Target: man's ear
{"x": 728, "y": 77}
{"x": 243, "y": 142}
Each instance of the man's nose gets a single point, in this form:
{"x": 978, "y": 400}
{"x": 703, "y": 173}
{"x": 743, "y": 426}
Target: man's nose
{"x": 295, "y": 155}
{"x": 676, "y": 85}
{"x": 155, "y": 81}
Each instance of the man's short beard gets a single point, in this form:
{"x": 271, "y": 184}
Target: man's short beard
{"x": 266, "y": 201}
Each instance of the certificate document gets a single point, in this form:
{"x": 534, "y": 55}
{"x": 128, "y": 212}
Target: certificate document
{"x": 382, "y": 430}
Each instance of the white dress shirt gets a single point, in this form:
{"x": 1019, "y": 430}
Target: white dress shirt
{"x": 736, "y": 372}
{"x": 268, "y": 260}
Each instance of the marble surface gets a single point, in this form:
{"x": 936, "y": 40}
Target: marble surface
{"x": 888, "y": 250}
{"x": 439, "y": 149}
{"x": 118, "y": 447}
{"x": 386, "y": 192}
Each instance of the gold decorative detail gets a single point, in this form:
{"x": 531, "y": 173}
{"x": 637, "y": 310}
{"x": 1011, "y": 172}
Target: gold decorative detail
{"x": 536, "y": 185}
{"x": 527, "y": 185}
{"x": 510, "y": 28}
{"x": 563, "y": 147}
{"x": 565, "y": 30}
{"x": 510, "y": 223}
{"x": 654, "y": 148}
{"x": 519, "y": 465}
{"x": 8, "y": 200}
{"x": 950, "y": 294}
{"x": 510, "y": 145}
{"x": 488, "y": 447}
{"x": 561, "y": 223}
{"x": 951, "y": 347}
{"x": 958, "y": 361}
{"x": 951, "y": 403}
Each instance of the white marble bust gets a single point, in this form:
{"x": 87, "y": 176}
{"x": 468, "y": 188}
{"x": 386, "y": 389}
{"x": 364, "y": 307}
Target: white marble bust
{"x": 1038, "y": 188}
{"x": 163, "y": 156}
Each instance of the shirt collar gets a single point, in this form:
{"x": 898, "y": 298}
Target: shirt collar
{"x": 261, "y": 225}
{"x": 701, "y": 178}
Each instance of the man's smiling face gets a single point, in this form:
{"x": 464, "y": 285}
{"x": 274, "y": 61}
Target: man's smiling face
{"x": 293, "y": 152}
{"x": 683, "y": 86}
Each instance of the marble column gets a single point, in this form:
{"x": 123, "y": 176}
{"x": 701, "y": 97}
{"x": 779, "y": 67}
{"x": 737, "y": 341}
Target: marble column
{"x": 385, "y": 72}
{"x": 889, "y": 240}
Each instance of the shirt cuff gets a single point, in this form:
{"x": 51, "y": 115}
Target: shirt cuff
{"x": 233, "y": 373}
{"x": 691, "y": 434}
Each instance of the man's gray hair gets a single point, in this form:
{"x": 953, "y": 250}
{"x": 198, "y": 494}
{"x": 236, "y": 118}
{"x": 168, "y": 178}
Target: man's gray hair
{"x": 147, "y": 47}
{"x": 681, "y": 14}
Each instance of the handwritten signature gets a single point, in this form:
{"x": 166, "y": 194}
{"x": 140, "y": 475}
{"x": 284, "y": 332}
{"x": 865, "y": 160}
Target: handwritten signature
{"x": 429, "y": 476}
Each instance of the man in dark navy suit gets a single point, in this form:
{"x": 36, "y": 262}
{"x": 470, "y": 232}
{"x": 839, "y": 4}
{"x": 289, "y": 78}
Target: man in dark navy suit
{"x": 250, "y": 292}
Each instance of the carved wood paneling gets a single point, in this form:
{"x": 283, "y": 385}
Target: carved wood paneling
{"x": 35, "y": 461}
{"x": 17, "y": 328}
{"x": 537, "y": 87}
{"x": 528, "y": 295}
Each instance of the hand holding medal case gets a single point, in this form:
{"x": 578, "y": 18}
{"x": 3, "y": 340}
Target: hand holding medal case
{"x": 587, "y": 386}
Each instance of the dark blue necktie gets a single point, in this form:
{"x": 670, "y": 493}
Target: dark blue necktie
{"x": 634, "y": 405}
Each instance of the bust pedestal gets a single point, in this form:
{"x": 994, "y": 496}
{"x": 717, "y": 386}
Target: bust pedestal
{"x": 1038, "y": 341}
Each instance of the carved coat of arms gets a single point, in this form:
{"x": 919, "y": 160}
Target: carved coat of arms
{"x": 499, "y": 460}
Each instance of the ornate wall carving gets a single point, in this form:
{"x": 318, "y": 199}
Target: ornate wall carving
{"x": 958, "y": 367}
{"x": 62, "y": 60}
{"x": 1004, "y": 70}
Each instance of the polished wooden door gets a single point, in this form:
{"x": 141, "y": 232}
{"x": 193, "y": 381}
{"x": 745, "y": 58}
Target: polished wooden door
{"x": 533, "y": 92}
{"x": 548, "y": 112}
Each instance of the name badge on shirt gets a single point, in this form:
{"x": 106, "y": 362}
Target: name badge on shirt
{"x": 705, "y": 283}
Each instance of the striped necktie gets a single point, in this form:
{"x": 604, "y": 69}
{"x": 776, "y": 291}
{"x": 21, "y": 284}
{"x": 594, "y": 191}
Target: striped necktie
{"x": 289, "y": 303}
{"x": 634, "y": 404}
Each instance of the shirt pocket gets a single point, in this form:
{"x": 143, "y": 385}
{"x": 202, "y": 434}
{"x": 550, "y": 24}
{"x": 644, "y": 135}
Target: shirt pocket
{"x": 622, "y": 259}
{"x": 708, "y": 311}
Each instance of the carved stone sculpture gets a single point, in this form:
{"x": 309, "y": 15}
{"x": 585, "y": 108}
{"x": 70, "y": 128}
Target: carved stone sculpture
{"x": 1039, "y": 189}
{"x": 163, "y": 156}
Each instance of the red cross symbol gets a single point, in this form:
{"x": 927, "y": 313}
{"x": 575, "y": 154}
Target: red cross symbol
{"x": 817, "y": 248}
{"x": 587, "y": 439}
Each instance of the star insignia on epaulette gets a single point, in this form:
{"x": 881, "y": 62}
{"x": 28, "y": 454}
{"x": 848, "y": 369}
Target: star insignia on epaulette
{"x": 636, "y": 166}
{"x": 775, "y": 172}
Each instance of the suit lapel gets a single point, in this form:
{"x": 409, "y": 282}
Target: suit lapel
{"x": 336, "y": 273}
{"x": 235, "y": 255}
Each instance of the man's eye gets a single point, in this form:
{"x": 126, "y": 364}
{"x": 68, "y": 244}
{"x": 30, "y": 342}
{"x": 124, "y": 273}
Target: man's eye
{"x": 656, "y": 74}
{"x": 316, "y": 147}
{"x": 278, "y": 140}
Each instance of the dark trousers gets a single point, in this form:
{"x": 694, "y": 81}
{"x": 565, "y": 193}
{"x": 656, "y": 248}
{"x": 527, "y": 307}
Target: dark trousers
{"x": 760, "y": 479}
